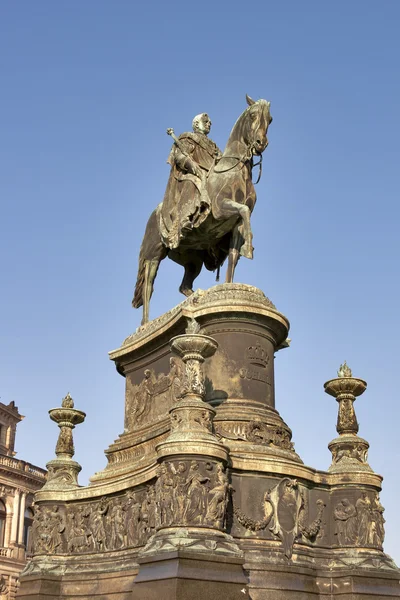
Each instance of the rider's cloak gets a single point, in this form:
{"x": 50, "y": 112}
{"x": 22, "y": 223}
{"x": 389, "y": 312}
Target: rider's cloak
{"x": 186, "y": 203}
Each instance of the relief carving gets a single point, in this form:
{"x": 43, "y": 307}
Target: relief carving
{"x": 203, "y": 420}
{"x": 284, "y": 509}
{"x": 78, "y": 537}
{"x": 193, "y": 380}
{"x": 358, "y": 452}
{"x": 345, "y": 515}
{"x": 192, "y": 493}
{"x": 312, "y": 531}
{"x": 139, "y": 398}
{"x": 347, "y": 419}
{"x": 258, "y": 359}
{"x": 257, "y": 355}
{"x": 226, "y": 293}
{"x": 107, "y": 524}
{"x": 117, "y": 525}
{"x": 164, "y": 489}
{"x": 219, "y": 494}
{"x": 47, "y": 529}
{"x": 197, "y": 492}
{"x": 175, "y": 378}
{"x": 3, "y": 588}
{"x": 96, "y": 525}
{"x": 360, "y": 524}
{"x": 6, "y": 491}
{"x": 257, "y": 432}
{"x": 254, "y": 374}
{"x": 286, "y": 501}
{"x": 132, "y": 508}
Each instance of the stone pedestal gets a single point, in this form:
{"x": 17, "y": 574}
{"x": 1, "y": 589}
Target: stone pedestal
{"x": 187, "y": 575}
{"x": 204, "y": 495}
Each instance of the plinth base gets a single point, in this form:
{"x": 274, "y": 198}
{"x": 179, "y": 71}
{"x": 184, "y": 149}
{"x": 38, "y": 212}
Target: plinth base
{"x": 185, "y": 575}
{"x": 171, "y": 518}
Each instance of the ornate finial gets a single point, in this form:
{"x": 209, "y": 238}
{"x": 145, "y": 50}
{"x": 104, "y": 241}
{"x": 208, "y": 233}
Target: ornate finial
{"x": 193, "y": 327}
{"x": 63, "y": 470}
{"x": 67, "y": 402}
{"x": 349, "y": 451}
{"x": 344, "y": 370}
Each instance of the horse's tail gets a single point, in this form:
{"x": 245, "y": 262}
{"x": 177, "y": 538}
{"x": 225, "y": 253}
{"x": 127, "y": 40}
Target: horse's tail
{"x": 138, "y": 294}
{"x": 152, "y": 250}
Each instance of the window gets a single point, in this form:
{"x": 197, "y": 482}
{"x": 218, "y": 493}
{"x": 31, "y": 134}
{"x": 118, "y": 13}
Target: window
{"x": 2, "y": 522}
{"x": 28, "y": 520}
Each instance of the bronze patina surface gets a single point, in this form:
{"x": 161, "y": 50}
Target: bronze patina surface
{"x": 205, "y": 214}
{"x": 204, "y": 494}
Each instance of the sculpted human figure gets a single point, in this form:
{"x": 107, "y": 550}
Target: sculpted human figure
{"x": 377, "y": 533}
{"x": 164, "y": 495}
{"x": 117, "y": 526}
{"x": 205, "y": 214}
{"x": 363, "y": 507}
{"x": 36, "y": 526}
{"x": 346, "y": 522}
{"x": 186, "y": 203}
{"x": 96, "y": 523}
{"x": 77, "y": 532}
{"x": 196, "y": 501}
{"x": 132, "y": 519}
{"x": 57, "y": 526}
{"x": 152, "y": 509}
{"x": 175, "y": 376}
{"x": 180, "y": 490}
{"x": 216, "y": 512}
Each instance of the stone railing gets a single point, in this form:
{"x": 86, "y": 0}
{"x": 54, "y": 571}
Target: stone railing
{"x": 6, "y": 552}
{"x": 21, "y": 465}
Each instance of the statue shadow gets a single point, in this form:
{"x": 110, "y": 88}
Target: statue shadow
{"x": 214, "y": 396}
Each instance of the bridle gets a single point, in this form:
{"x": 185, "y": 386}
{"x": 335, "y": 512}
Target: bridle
{"x": 247, "y": 156}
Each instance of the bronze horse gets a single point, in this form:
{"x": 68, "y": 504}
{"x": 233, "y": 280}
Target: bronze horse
{"x": 226, "y": 231}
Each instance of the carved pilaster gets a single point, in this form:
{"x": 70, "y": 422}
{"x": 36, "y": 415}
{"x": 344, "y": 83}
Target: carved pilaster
{"x": 192, "y": 488}
{"x": 191, "y": 418}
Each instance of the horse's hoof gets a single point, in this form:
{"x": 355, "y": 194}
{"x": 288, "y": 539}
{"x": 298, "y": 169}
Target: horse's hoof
{"x": 247, "y": 251}
{"x": 186, "y": 291}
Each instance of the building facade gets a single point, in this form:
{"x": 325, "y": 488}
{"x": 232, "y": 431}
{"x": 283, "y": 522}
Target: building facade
{"x": 19, "y": 480}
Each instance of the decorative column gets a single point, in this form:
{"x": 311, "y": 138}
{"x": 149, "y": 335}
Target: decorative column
{"x": 63, "y": 470}
{"x": 192, "y": 489}
{"x": 349, "y": 451}
{"x": 14, "y": 523}
{"x": 192, "y": 493}
{"x": 21, "y": 518}
{"x": 9, "y": 517}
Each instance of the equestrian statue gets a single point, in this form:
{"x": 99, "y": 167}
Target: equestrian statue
{"x": 205, "y": 214}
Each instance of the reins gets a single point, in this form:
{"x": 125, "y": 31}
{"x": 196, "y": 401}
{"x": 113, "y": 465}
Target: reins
{"x": 245, "y": 158}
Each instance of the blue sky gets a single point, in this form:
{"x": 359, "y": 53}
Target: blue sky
{"x": 87, "y": 92}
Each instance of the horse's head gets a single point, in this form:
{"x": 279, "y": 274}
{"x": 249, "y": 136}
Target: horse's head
{"x": 255, "y": 122}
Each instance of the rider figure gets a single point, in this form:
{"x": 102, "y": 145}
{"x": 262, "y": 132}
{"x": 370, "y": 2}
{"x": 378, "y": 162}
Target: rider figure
{"x": 186, "y": 203}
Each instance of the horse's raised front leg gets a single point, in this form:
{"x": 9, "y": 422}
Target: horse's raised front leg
{"x": 234, "y": 255}
{"x": 229, "y": 208}
{"x": 151, "y": 268}
{"x": 192, "y": 270}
